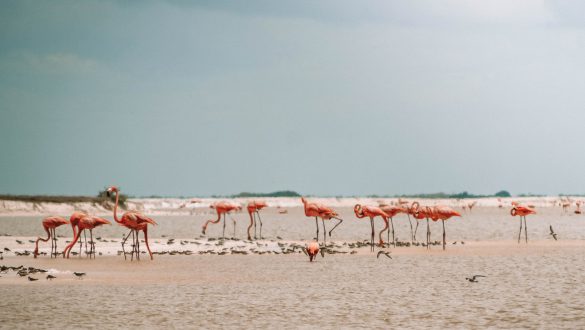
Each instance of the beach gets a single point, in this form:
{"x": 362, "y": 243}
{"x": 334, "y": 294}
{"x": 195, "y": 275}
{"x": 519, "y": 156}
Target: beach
{"x": 203, "y": 281}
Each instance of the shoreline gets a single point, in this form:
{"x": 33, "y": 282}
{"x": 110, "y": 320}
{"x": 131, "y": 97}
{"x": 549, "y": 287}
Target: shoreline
{"x": 183, "y": 207}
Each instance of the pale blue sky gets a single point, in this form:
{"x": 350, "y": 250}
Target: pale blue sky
{"x": 322, "y": 97}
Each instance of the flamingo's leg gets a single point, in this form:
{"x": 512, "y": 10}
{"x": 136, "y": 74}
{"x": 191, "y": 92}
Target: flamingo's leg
{"x": 259, "y": 219}
{"x": 223, "y": 233}
{"x": 54, "y": 239}
{"x": 393, "y": 239}
{"x": 340, "y": 221}
{"x": 520, "y": 232}
{"x": 145, "y": 231}
{"x": 428, "y": 234}
{"x": 373, "y": 235}
{"x": 137, "y": 245}
{"x": 388, "y": 236}
{"x": 444, "y": 235}
{"x": 317, "y": 224}
{"x": 324, "y": 232}
{"x": 124, "y": 242}
{"x": 411, "y": 232}
{"x": 92, "y": 244}
{"x": 80, "y": 243}
{"x": 525, "y": 230}
{"x": 85, "y": 241}
{"x": 254, "y": 221}
{"x": 133, "y": 245}
{"x": 415, "y": 229}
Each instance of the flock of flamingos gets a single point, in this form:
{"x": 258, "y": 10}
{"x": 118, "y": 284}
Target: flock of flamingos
{"x": 136, "y": 222}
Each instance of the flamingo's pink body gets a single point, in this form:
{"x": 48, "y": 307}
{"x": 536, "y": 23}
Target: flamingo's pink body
{"x": 49, "y": 224}
{"x": 89, "y": 223}
{"x": 318, "y": 210}
{"x": 253, "y": 208}
{"x": 372, "y": 212}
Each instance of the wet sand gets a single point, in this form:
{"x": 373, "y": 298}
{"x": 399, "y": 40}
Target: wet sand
{"x": 537, "y": 285}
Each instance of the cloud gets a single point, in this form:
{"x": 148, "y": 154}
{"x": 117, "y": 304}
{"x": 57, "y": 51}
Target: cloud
{"x": 52, "y": 63}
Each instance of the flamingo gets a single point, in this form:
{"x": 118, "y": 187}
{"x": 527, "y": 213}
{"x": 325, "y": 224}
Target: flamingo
{"x": 522, "y": 212}
{"x": 74, "y": 221}
{"x": 445, "y": 213}
{"x": 424, "y": 213}
{"x": 312, "y": 250}
{"x": 253, "y": 209}
{"x": 134, "y": 221}
{"x": 49, "y": 224}
{"x": 412, "y": 210}
{"x": 320, "y": 211}
{"x": 222, "y": 208}
{"x": 87, "y": 222}
{"x": 392, "y": 211}
{"x": 372, "y": 212}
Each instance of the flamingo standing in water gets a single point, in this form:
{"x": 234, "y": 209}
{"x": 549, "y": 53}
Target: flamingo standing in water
{"x": 222, "y": 208}
{"x": 74, "y": 221}
{"x": 444, "y": 213}
{"x": 372, "y": 212}
{"x": 49, "y": 224}
{"x": 423, "y": 213}
{"x": 87, "y": 222}
{"x": 312, "y": 250}
{"x": 522, "y": 212}
{"x": 413, "y": 210}
{"x": 253, "y": 209}
{"x": 320, "y": 211}
{"x": 136, "y": 222}
{"x": 392, "y": 211}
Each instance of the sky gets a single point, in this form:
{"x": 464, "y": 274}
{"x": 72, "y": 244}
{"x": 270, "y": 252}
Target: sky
{"x": 333, "y": 97}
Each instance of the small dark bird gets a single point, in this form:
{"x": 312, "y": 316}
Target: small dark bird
{"x": 79, "y": 275}
{"x": 50, "y": 277}
{"x": 32, "y": 279}
{"x": 387, "y": 254}
{"x": 552, "y": 233}
{"x": 474, "y": 278}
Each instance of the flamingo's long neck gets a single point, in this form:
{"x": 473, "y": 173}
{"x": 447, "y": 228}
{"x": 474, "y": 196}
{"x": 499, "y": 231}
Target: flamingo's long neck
{"x": 116, "y": 207}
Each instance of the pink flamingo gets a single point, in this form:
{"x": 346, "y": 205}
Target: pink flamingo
{"x": 253, "y": 209}
{"x": 392, "y": 211}
{"x": 49, "y": 224}
{"x": 372, "y": 212}
{"x": 134, "y": 221}
{"x": 312, "y": 250}
{"x": 87, "y": 222}
{"x": 424, "y": 213}
{"x": 522, "y": 212}
{"x": 74, "y": 221}
{"x": 222, "y": 208}
{"x": 445, "y": 213}
{"x": 321, "y": 211}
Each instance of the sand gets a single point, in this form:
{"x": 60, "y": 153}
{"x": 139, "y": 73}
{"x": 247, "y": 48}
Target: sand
{"x": 538, "y": 285}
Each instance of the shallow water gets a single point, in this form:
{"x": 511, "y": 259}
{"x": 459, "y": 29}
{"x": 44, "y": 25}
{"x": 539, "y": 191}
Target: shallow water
{"x": 482, "y": 224}
{"x": 539, "y": 285}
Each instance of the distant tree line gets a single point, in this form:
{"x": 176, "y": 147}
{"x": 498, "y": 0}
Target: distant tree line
{"x": 280, "y": 193}
{"x": 101, "y": 197}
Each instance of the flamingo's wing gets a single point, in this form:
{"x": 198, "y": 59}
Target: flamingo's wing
{"x": 141, "y": 218}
